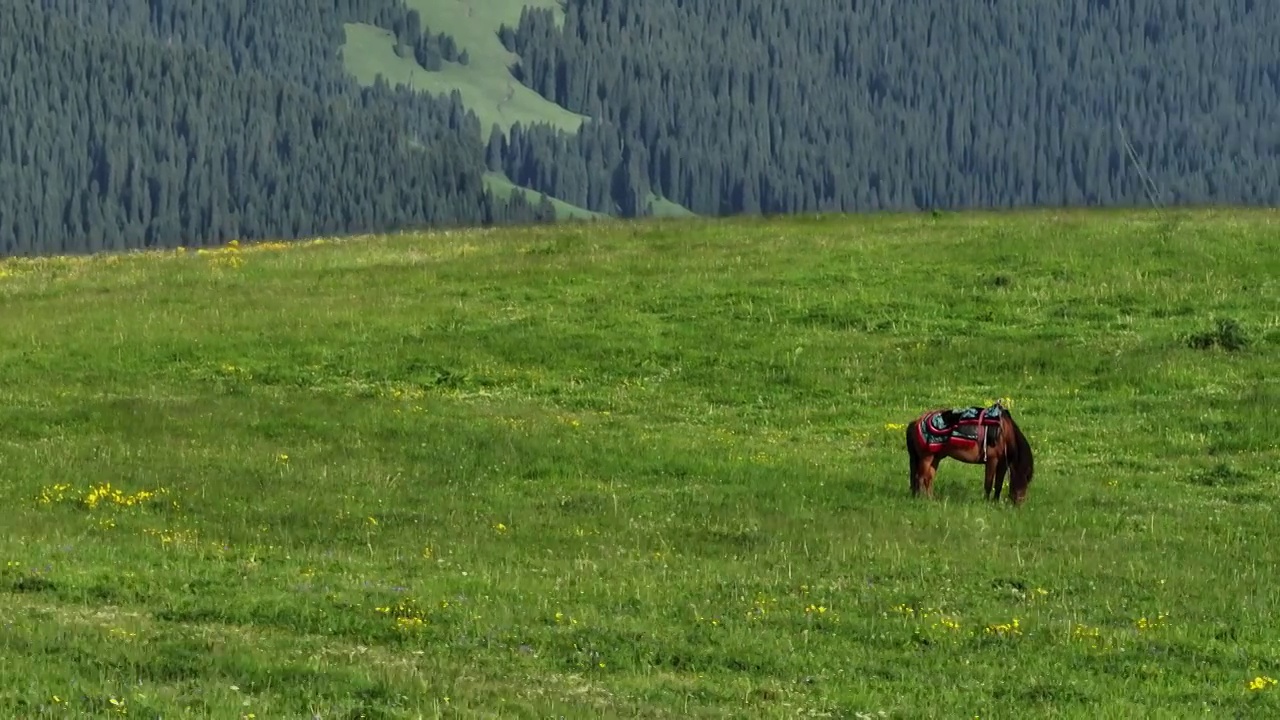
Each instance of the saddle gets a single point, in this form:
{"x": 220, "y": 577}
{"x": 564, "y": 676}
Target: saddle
{"x": 966, "y": 427}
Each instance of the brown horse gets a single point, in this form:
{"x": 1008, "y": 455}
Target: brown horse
{"x": 972, "y": 435}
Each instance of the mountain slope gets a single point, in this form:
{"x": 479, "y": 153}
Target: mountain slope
{"x": 485, "y": 83}
{"x": 502, "y": 187}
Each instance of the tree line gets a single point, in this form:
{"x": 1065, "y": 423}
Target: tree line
{"x": 153, "y": 123}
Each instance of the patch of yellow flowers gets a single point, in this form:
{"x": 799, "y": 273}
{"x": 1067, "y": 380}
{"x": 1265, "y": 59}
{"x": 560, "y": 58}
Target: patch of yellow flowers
{"x": 406, "y": 614}
{"x": 102, "y": 494}
{"x": 226, "y": 256}
{"x": 1262, "y": 682}
{"x": 1009, "y": 629}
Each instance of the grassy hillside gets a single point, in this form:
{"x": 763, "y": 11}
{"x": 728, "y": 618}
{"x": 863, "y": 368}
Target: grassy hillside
{"x": 485, "y": 83}
{"x": 646, "y": 470}
{"x": 500, "y": 185}
{"x": 369, "y": 52}
{"x": 664, "y": 208}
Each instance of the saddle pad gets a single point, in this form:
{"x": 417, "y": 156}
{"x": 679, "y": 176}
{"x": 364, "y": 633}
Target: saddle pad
{"x": 958, "y": 426}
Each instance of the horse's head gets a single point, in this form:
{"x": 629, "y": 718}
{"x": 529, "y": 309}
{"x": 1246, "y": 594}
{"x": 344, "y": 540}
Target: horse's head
{"x": 1022, "y": 465}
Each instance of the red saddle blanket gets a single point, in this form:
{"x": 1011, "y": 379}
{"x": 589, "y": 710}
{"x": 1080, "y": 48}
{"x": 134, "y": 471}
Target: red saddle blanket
{"x": 959, "y": 426}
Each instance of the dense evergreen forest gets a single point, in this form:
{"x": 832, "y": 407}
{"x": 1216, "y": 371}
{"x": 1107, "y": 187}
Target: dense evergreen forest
{"x": 144, "y": 123}
{"x": 151, "y": 123}
{"x": 776, "y": 106}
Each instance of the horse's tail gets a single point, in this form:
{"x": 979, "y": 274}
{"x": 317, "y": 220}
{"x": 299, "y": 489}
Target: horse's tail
{"x": 913, "y": 455}
{"x": 1021, "y": 461}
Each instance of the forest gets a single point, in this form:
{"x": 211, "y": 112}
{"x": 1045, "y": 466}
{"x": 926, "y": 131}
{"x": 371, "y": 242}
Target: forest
{"x": 146, "y": 124}
{"x": 155, "y": 123}
{"x": 733, "y": 106}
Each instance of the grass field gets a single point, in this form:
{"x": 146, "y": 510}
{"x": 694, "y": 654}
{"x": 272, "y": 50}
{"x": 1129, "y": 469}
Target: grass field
{"x": 645, "y": 470}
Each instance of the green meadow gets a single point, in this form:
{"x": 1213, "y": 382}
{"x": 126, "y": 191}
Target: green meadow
{"x": 646, "y": 469}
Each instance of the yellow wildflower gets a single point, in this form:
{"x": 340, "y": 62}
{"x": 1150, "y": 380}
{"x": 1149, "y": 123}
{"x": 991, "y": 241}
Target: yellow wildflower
{"x": 1262, "y": 682}
{"x": 1009, "y": 629}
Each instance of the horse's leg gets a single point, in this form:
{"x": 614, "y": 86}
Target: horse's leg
{"x": 927, "y": 473}
{"x": 990, "y": 476}
{"x": 1002, "y": 467}
{"x": 915, "y": 466}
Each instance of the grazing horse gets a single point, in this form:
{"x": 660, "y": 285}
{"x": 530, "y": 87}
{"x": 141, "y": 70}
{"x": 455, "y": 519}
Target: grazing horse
{"x": 972, "y": 435}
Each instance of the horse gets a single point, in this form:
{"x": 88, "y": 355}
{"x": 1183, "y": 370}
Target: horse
{"x": 972, "y": 435}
